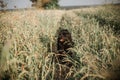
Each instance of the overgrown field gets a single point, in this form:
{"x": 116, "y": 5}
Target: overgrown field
{"x": 25, "y": 35}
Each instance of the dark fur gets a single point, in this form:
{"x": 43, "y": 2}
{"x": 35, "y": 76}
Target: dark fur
{"x": 64, "y": 40}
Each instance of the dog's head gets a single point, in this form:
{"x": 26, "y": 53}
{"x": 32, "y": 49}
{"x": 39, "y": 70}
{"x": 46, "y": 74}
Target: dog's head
{"x": 64, "y": 40}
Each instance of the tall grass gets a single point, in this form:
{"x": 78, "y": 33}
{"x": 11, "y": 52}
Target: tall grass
{"x": 96, "y": 46}
{"x": 105, "y": 16}
{"x": 24, "y": 47}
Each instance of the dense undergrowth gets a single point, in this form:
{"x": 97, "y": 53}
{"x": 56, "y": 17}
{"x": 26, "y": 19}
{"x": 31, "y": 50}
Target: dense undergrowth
{"x": 24, "y": 46}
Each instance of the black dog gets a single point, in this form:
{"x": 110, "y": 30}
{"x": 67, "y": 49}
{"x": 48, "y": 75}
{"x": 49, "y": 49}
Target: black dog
{"x": 64, "y": 43}
{"x": 64, "y": 40}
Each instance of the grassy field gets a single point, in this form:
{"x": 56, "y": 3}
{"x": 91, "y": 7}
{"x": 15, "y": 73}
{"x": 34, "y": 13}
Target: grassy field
{"x": 25, "y": 35}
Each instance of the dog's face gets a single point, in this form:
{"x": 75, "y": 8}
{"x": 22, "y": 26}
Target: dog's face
{"x": 64, "y": 40}
{"x": 64, "y": 35}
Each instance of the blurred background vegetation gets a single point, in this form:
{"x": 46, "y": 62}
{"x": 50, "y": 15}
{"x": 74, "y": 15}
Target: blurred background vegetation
{"x": 47, "y": 4}
{"x": 52, "y": 5}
